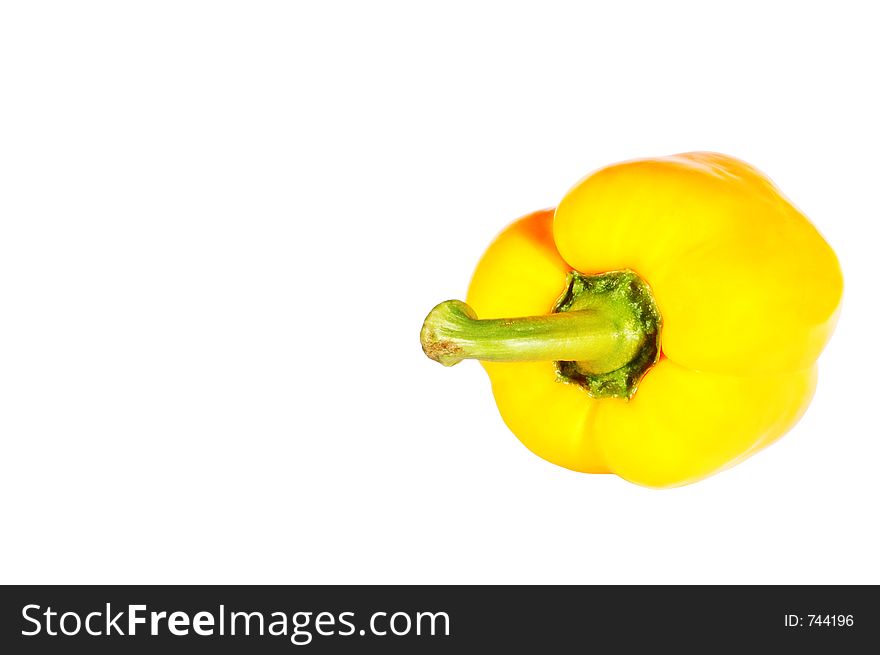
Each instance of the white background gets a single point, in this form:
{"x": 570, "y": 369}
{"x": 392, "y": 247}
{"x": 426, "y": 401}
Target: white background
{"x": 221, "y": 225}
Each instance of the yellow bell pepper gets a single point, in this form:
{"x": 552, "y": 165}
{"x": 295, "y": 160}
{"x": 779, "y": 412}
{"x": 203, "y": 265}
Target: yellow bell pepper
{"x": 673, "y": 311}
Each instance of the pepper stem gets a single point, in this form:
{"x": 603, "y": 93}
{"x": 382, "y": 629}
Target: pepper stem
{"x": 452, "y": 332}
{"x": 603, "y": 335}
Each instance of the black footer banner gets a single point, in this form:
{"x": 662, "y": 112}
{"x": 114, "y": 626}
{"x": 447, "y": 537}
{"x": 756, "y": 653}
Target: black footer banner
{"x": 427, "y": 619}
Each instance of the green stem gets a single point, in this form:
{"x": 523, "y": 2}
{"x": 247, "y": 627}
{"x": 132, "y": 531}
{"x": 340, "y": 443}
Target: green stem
{"x": 603, "y": 334}
{"x": 452, "y": 333}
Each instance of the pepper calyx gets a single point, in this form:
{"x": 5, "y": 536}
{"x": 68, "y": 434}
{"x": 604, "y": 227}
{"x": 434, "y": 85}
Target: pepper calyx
{"x": 627, "y": 304}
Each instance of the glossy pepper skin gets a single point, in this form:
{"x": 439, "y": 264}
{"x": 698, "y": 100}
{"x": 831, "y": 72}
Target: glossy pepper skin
{"x": 748, "y": 291}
